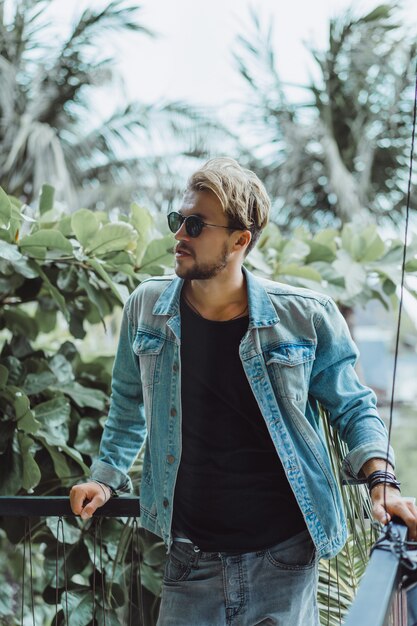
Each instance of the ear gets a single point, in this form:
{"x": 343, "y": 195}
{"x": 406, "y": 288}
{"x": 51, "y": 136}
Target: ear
{"x": 243, "y": 240}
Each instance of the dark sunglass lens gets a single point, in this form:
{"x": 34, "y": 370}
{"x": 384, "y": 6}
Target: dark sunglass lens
{"x": 193, "y": 225}
{"x": 174, "y": 222}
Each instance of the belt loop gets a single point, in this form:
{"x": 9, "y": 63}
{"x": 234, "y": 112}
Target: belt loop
{"x": 196, "y": 556}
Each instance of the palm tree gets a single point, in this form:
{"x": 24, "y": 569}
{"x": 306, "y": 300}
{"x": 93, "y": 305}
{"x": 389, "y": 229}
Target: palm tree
{"x": 343, "y": 151}
{"x": 48, "y": 127}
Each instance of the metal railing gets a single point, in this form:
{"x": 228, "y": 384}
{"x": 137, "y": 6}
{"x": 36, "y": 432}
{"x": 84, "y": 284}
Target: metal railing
{"x": 31, "y": 508}
{"x": 387, "y": 594}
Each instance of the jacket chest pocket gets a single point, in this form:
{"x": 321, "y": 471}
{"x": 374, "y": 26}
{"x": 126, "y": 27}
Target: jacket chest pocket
{"x": 289, "y": 368}
{"x": 148, "y": 349}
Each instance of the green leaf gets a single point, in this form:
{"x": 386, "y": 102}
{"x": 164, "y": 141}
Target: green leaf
{"x": 71, "y": 533}
{"x": 9, "y": 251}
{"x": 59, "y": 299}
{"x": 158, "y": 252}
{"x": 37, "y": 382}
{"x": 4, "y": 375}
{"x": 5, "y": 208}
{"x": 295, "y": 251}
{"x": 53, "y": 416}
{"x": 411, "y": 265}
{"x": 112, "y": 237}
{"x": 320, "y": 252}
{"x": 381, "y": 12}
{"x": 373, "y": 245}
{"x": 20, "y": 323}
{"x": 62, "y": 369}
{"x": 46, "y": 198}
{"x": 353, "y": 273}
{"x": 31, "y": 473}
{"x": 80, "y": 607}
{"x": 142, "y": 220}
{"x": 301, "y": 271}
{"x": 85, "y": 225}
{"x": 59, "y": 461}
{"x": 85, "y": 396}
{"x": 256, "y": 259}
{"x": 46, "y": 238}
{"x": 98, "y": 267}
{"x": 88, "y": 437}
{"x": 93, "y": 294}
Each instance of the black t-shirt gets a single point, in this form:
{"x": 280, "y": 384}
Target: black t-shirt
{"x": 231, "y": 493}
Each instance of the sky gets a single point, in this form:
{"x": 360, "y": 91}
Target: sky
{"x": 191, "y": 57}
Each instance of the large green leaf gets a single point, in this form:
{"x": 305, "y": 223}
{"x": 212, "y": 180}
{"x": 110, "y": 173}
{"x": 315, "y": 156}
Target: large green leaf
{"x": 85, "y": 225}
{"x": 112, "y": 237}
{"x": 19, "y": 322}
{"x": 53, "y": 416}
{"x": 85, "y": 396}
{"x": 5, "y": 208}
{"x": 116, "y": 289}
{"x": 158, "y": 252}
{"x": 4, "y": 375}
{"x": 31, "y": 473}
{"x": 59, "y": 461}
{"x": 69, "y": 532}
{"x": 142, "y": 220}
{"x": 295, "y": 251}
{"x": 9, "y": 251}
{"x": 302, "y": 271}
{"x": 80, "y": 607}
{"x": 46, "y": 238}
{"x": 46, "y": 198}
{"x": 59, "y": 299}
{"x": 373, "y": 245}
{"x": 354, "y": 274}
{"x": 62, "y": 369}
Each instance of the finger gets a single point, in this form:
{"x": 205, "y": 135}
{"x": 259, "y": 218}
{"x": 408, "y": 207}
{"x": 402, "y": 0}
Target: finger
{"x": 78, "y": 494}
{"x": 92, "y": 506}
{"x": 380, "y": 514}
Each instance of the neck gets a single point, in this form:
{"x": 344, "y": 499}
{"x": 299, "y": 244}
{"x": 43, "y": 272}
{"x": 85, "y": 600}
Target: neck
{"x": 220, "y": 298}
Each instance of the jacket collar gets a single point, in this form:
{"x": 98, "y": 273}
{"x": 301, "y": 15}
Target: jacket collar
{"x": 261, "y": 310}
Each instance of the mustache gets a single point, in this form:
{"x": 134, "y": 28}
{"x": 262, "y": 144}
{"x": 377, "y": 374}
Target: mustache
{"x": 182, "y": 248}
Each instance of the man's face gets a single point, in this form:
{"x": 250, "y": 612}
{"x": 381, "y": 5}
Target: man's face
{"x": 205, "y": 256}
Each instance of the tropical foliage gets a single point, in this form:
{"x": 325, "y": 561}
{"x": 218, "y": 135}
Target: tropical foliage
{"x": 352, "y": 265}
{"x": 339, "y": 148}
{"x": 74, "y": 271}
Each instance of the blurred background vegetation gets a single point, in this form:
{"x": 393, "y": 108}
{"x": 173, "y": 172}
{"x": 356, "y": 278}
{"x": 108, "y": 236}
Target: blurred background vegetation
{"x": 76, "y": 238}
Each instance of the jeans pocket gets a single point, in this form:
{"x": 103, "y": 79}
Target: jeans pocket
{"x": 178, "y": 564}
{"x": 296, "y": 553}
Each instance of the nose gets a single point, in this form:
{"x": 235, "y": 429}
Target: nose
{"x": 181, "y": 233}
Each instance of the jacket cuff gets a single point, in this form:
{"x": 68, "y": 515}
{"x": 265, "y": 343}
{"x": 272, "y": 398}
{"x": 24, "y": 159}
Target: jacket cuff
{"x": 111, "y": 476}
{"x": 353, "y": 462}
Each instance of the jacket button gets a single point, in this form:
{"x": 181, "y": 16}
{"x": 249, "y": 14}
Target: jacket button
{"x": 175, "y": 367}
{"x": 173, "y": 412}
{"x": 165, "y": 503}
{"x": 170, "y": 458}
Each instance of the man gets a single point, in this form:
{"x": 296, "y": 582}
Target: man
{"x": 230, "y": 369}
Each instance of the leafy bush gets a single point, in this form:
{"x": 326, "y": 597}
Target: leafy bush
{"x": 60, "y": 272}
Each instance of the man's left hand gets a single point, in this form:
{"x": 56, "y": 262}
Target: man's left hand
{"x": 385, "y": 506}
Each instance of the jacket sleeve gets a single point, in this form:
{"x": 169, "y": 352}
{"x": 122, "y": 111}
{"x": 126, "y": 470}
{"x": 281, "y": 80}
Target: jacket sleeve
{"x": 351, "y": 405}
{"x": 125, "y": 429}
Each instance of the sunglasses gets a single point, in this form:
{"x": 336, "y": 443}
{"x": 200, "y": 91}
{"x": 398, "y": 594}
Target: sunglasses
{"x": 193, "y": 224}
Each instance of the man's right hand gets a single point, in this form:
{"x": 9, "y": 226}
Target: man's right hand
{"x": 86, "y": 498}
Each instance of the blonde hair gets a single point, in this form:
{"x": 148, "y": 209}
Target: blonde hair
{"x": 242, "y": 195}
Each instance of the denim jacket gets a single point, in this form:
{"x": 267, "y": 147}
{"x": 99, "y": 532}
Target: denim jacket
{"x": 296, "y": 353}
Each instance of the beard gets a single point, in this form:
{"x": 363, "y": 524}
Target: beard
{"x": 204, "y": 271}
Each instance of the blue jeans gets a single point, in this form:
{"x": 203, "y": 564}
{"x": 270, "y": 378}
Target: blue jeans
{"x": 271, "y": 587}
